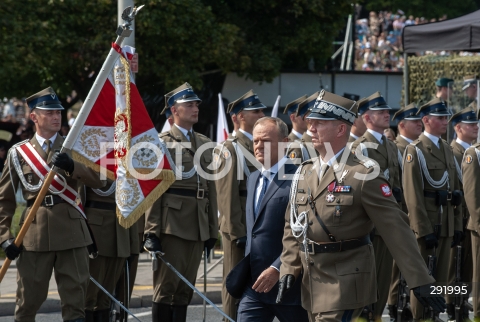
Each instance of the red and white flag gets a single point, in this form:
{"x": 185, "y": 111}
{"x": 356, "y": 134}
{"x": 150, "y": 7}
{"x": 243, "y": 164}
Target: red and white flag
{"x": 119, "y": 139}
{"x": 222, "y": 125}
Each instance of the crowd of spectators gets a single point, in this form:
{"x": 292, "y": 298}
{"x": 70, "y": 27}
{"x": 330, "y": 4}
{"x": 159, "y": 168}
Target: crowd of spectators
{"x": 378, "y": 40}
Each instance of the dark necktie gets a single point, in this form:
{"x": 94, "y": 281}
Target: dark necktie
{"x": 48, "y": 149}
{"x": 265, "y": 181}
{"x": 192, "y": 140}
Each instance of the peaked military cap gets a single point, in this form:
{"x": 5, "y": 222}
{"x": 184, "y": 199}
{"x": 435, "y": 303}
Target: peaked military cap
{"x": 408, "y": 113}
{"x": 466, "y": 115}
{"x": 435, "y": 107}
{"x": 248, "y": 102}
{"x": 374, "y": 102}
{"x": 180, "y": 94}
{"x": 305, "y": 106}
{"x": 469, "y": 80}
{"x": 292, "y": 106}
{"x": 46, "y": 99}
{"x": 444, "y": 82}
{"x": 330, "y": 107}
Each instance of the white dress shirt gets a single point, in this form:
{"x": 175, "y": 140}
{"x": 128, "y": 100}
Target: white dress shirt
{"x": 464, "y": 144}
{"x": 184, "y": 131}
{"x": 378, "y": 136}
{"x": 248, "y": 135}
{"x": 297, "y": 134}
{"x": 406, "y": 139}
{"x": 432, "y": 138}
{"x": 41, "y": 141}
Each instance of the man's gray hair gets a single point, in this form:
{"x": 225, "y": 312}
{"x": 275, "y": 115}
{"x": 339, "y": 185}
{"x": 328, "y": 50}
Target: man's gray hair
{"x": 281, "y": 126}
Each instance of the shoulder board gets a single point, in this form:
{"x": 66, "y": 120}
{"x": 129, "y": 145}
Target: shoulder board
{"x": 309, "y": 161}
{"x": 163, "y": 134}
{"x": 476, "y": 145}
{"x": 415, "y": 142}
{"x": 20, "y": 143}
{"x": 361, "y": 139}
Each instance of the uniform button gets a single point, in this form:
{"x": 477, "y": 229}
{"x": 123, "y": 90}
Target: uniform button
{"x": 310, "y": 222}
{"x": 356, "y": 269}
{"x": 254, "y": 236}
{"x": 311, "y": 263}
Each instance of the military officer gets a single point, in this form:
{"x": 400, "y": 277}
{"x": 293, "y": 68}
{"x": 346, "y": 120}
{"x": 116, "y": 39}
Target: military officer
{"x": 470, "y": 83}
{"x": 232, "y": 187}
{"x": 335, "y": 201}
{"x": 444, "y": 88}
{"x": 302, "y": 149}
{"x": 471, "y": 179}
{"x": 113, "y": 244}
{"x": 299, "y": 125}
{"x": 183, "y": 221}
{"x": 58, "y": 236}
{"x": 358, "y": 129}
{"x": 409, "y": 129}
{"x": 465, "y": 124}
{"x": 432, "y": 193}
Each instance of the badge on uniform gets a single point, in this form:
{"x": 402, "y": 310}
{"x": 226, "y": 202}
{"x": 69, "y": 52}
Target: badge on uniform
{"x": 342, "y": 189}
{"x": 330, "y": 197}
{"x": 216, "y": 158}
{"x": 226, "y": 154}
{"x": 409, "y": 158}
{"x": 386, "y": 191}
{"x": 292, "y": 155}
{"x": 468, "y": 158}
{"x": 368, "y": 164}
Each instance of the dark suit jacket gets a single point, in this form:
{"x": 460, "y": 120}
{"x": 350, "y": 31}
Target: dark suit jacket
{"x": 265, "y": 233}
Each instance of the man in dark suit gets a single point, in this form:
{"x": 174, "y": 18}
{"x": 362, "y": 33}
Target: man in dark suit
{"x": 267, "y": 199}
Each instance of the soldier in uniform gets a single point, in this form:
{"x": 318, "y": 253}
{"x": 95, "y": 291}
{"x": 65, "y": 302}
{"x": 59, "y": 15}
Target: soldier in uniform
{"x": 183, "y": 221}
{"x": 232, "y": 187}
{"x": 432, "y": 193}
{"x": 374, "y": 145}
{"x": 471, "y": 179}
{"x": 58, "y": 236}
{"x": 465, "y": 124}
{"x": 302, "y": 149}
{"x": 358, "y": 129}
{"x": 444, "y": 88}
{"x": 409, "y": 129}
{"x": 470, "y": 88}
{"x": 299, "y": 125}
{"x": 113, "y": 244}
{"x": 335, "y": 201}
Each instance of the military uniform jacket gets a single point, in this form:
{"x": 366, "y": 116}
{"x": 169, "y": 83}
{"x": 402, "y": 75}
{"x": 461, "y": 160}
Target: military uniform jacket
{"x": 295, "y": 150}
{"x": 347, "y": 280}
{"x": 185, "y": 216}
{"x": 401, "y": 146}
{"x": 458, "y": 152}
{"x": 292, "y": 137}
{"x": 386, "y": 155}
{"x": 112, "y": 239}
{"x": 471, "y": 179}
{"x": 423, "y": 211}
{"x": 54, "y": 228}
{"x": 232, "y": 188}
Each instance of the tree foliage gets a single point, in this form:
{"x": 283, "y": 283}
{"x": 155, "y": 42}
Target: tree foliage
{"x": 63, "y": 43}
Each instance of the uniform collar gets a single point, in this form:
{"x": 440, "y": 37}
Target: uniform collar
{"x": 184, "y": 131}
{"x": 248, "y": 135}
{"x": 464, "y": 144}
{"x": 353, "y": 136}
{"x": 378, "y": 136}
{"x": 332, "y": 160}
{"x": 41, "y": 140}
{"x": 297, "y": 134}
{"x": 432, "y": 138}
{"x": 309, "y": 133}
{"x": 406, "y": 139}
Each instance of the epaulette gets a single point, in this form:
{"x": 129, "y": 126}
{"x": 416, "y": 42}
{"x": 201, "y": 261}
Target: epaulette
{"x": 415, "y": 142}
{"x": 19, "y": 144}
{"x": 476, "y": 145}
{"x": 310, "y": 161}
{"x": 163, "y": 134}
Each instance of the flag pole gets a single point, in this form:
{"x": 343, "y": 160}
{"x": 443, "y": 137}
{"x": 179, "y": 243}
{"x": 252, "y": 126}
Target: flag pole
{"x": 123, "y": 31}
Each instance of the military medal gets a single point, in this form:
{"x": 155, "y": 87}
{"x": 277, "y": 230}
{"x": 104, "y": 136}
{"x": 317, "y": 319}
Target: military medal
{"x": 330, "y": 197}
{"x": 342, "y": 189}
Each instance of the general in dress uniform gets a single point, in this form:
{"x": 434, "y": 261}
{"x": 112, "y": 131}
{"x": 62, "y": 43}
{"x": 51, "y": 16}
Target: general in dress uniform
{"x": 432, "y": 193}
{"x": 57, "y": 238}
{"x": 335, "y": 202}
{"x": 232, "y": 187}
{"x": 183, "y": 221}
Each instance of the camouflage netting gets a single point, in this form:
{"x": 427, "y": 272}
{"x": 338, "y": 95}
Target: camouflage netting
{"x": 425, "y": 70}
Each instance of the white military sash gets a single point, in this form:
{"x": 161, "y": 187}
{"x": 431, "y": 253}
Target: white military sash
{"x": 41, "y": 169}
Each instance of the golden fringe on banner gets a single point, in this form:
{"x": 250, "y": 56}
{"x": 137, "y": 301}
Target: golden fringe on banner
{"x": 92, "y": 165}
{"x": 169, "y": 178}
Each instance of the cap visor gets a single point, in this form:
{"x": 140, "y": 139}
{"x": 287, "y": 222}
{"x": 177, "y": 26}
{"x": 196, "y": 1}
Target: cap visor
{"x": 258, "y": 106}
{"x": 50, "y": 107}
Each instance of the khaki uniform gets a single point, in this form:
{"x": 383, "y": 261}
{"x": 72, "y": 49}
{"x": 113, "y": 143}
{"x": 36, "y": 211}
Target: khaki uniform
{"x": 386, "y": 155}
{"x": 182, "y": 222}
{"x": 471, "y": 176}
{"x": 295, "y": 150}
{"x": 292, "y": 137}
{"x": 346, "y": 280}
{"x": 393, "y": 292}
{"x": 232, "y": 194}
{"x": 56, "y": 240}
{"x": 113, "y": 247}
{"x": 423, "y": 211}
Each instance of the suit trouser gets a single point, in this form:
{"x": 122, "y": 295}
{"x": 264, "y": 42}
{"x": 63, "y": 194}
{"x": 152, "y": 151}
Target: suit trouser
{"x": 252, "y": 310}
{"x": 106, "y": 271}
{"x": 383, "y": 266}
{"x": 467, "y": 264}
{"x": 441, "y": 276}
{"x": 231, "y": 256}
{"x": 476, "y": 273}
{"x": 185, "y": 256}
{"x": 336, "y": 316}
{"x": 34, "y": 271}
{"x": 394, "y": 281}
